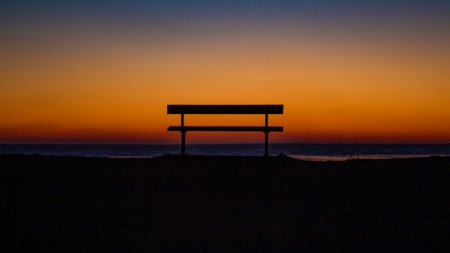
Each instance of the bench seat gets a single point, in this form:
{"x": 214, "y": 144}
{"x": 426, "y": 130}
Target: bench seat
{"x": 227, "y": 128}
{"x": 226, "y": 109}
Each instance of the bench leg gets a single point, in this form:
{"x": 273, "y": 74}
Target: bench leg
{"x": 266, "y": 147}
{"x": 183, "y": 142}
{"x": 183, "y": 135}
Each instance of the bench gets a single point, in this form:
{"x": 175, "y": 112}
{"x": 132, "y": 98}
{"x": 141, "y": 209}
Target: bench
{"x": 225, "y": 109}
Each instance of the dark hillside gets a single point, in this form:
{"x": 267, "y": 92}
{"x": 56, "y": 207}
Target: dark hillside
{"x": 198, "y": 203}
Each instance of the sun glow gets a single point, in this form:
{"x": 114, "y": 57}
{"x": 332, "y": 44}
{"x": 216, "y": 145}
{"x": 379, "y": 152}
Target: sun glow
{"x": 336, "y": 86}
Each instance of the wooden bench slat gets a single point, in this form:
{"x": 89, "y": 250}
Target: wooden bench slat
{"x": 228, "y": 128}
{"x": 224, "y": 109}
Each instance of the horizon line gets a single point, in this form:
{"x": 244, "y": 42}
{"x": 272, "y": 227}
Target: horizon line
{"x": 249, "y": 143}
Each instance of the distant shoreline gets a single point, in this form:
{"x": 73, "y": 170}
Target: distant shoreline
{"x": 315, "y": 152}
{"x": 312, "y": 158}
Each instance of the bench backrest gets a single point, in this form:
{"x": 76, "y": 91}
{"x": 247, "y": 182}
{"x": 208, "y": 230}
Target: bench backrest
{"x": 224, "y": 109}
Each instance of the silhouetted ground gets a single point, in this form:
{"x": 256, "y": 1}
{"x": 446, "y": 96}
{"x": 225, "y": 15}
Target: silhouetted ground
{"x": 185, "y": 203}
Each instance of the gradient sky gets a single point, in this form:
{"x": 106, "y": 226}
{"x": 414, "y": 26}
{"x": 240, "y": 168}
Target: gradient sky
{"x": 104, "y": 71}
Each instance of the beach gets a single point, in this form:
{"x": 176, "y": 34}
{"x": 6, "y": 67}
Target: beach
{"x": 225, "y": 203}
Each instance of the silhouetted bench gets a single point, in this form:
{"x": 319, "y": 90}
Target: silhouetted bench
{"x": 225, "y": 109}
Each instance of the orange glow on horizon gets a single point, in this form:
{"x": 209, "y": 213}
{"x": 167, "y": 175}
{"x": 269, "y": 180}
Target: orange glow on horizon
{"x": 333, "y": 90}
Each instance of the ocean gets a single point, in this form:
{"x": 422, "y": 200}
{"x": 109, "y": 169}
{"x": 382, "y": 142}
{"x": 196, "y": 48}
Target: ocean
{"x": 302, "y": 151}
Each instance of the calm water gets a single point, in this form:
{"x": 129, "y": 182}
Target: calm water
{"x": 318, "y": 152}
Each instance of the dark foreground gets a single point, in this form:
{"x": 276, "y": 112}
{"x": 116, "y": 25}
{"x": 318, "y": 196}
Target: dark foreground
{"x": 223, "y": 203}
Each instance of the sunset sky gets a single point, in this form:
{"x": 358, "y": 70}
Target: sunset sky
{"x": 105, "y": 71}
